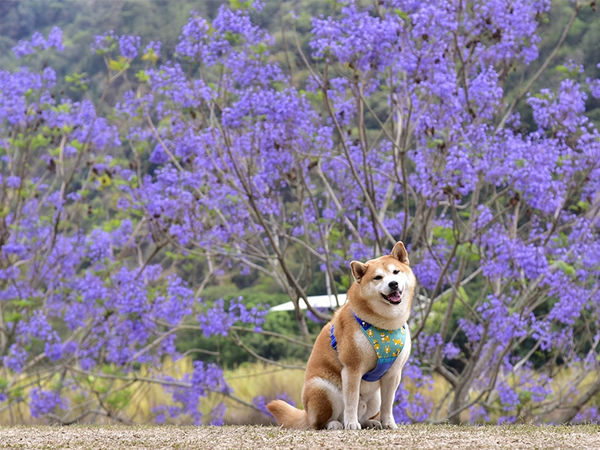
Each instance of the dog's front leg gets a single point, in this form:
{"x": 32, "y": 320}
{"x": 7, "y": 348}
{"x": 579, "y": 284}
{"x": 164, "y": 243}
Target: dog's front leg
{"x": 351, "y": 393}
{"x": 389, "y": 384}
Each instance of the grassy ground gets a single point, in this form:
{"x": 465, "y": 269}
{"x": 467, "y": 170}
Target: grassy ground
{"x": 412, "y": 436}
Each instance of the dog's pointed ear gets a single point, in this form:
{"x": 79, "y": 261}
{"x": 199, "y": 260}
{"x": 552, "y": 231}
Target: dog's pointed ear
{"x": 358, "y": 270}
{"x": 399, "y": 252}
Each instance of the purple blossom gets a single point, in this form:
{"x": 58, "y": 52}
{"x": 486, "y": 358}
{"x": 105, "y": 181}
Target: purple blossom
{"x": 129, "y": 46}
{"x": 509, "y": 399}
{"x": 564, "y": 110}
{"x": 104, "y": 42}
{"x": 589, "y": 415}
{"x": 37, "y": 43}
{"x": 204, "y": 379}
{"x": 15, "y": 249}
{"x": 217, "y": 414}
{"x": 478, "y": 413}
{"x": 55, "y": 39}
{"x": 219, "y": 318}
{"x": 13, "y": 181}
{"x": 451, "y": 351}
{"x": 312, "y": 317}
{"x": 412, "y": 407}
{"x": 44, "y": 402}
{"x": 595, "y": 87}
{"x": 153, "y": 48}
{"x": 53, "y": 350}
{"x": 23, "y": 48}
{"x": 15, "y": 359}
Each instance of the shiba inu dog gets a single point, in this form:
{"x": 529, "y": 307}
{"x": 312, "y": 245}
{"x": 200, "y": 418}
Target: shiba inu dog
{"x": 356, "y": 362}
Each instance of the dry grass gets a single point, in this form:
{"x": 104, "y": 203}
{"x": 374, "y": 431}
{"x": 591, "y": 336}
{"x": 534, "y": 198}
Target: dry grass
{"x": 253, "y": 380}
{"x": 248, "y": 381}
{"x": 411, "y": 436}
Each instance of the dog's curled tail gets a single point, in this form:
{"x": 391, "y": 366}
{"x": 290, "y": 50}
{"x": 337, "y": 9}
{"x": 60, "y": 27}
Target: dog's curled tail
{"x": 287, "y": 415}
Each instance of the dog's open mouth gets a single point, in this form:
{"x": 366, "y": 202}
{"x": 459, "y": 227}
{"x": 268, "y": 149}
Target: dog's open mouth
{"x": 393, "y": 297}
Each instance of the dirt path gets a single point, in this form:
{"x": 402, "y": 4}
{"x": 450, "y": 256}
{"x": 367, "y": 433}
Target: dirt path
{"x": 413, "y": 436}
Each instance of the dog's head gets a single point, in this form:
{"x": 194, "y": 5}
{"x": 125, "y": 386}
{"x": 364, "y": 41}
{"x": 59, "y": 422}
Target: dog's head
{"x": 385, "y": 285}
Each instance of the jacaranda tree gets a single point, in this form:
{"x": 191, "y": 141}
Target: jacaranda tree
{"x": 394, "y": 122}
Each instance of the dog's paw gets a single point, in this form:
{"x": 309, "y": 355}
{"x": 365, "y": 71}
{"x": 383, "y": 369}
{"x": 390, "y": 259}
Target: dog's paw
{"x": 335, "y": 425}
{"x": 354, "y": 425}
{"x": 389, "y": 425}
{"x": 373, "y": 424}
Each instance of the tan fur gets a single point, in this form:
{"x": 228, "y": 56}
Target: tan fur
{"x": 334, "y": 394}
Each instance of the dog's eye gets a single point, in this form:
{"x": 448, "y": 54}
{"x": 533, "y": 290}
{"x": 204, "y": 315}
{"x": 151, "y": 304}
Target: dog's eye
{"x": 396, "y": 272}
{"x": 378, "y": 277}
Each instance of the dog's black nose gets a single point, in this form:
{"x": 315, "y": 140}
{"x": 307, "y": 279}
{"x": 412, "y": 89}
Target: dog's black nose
{"x": 393, "y": 285}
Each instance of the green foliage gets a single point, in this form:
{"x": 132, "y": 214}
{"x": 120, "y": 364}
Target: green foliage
{"x": 567, "y": 269}
{"x": 118, "y": 65}
{"x": 439, "y": 309}
{"x": 118, "y": 400}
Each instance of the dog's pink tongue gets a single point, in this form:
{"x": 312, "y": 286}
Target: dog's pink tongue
{"x": 394, "y": 297}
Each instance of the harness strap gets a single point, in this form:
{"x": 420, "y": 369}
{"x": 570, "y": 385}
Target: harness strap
{"x": 333, "y": 341}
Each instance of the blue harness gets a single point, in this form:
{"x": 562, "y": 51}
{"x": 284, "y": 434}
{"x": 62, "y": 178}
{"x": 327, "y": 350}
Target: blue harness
{"x": 387, "y": 344}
